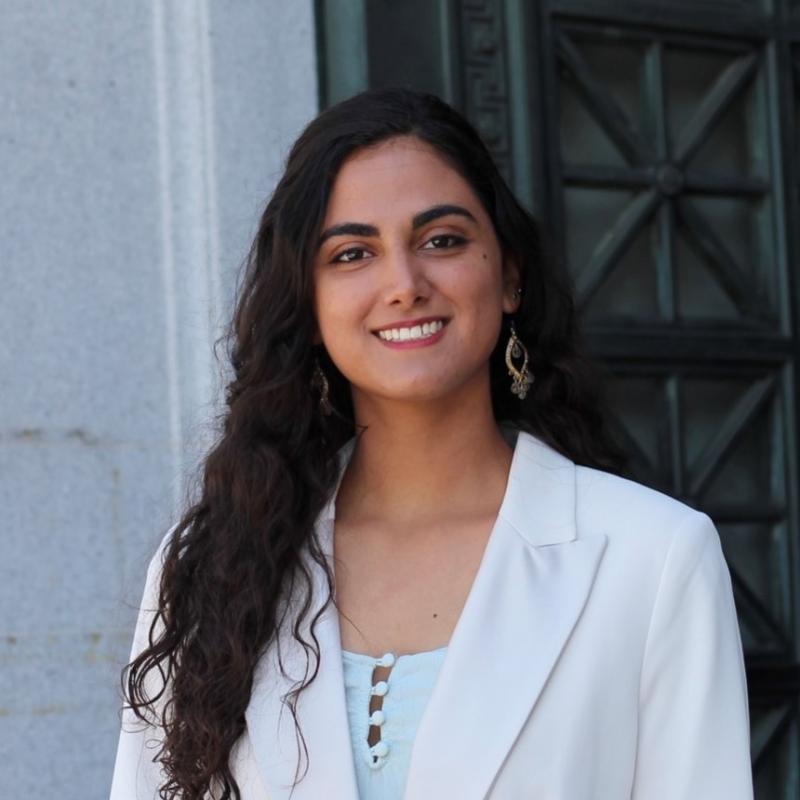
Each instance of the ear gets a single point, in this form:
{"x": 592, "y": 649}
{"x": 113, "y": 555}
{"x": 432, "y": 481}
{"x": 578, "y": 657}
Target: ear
{"x": 512, "y": 280}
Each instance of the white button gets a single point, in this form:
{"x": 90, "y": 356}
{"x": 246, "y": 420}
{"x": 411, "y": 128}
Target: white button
{"x": 386, "y": 660}
{"x": 380, "y": 688}
{"x": 380, "y": 749}
{"x": 377, "y": 717}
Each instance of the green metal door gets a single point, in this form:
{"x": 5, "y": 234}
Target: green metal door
{"x": 659, "y": 142}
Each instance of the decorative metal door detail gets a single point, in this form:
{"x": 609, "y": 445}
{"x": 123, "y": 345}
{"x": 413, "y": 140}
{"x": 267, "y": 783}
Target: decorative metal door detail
{"x": 677, "y": 139}
{"x": 484, "y": 70}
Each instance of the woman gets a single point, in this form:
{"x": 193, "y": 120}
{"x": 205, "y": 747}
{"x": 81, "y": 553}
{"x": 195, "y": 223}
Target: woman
{"x": 504, "y": 616}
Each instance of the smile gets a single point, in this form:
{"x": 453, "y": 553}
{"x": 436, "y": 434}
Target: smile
{"x": 413, "y": 333}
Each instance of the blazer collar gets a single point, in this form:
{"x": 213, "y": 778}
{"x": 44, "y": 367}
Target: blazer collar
{"x": 530, "y": 589}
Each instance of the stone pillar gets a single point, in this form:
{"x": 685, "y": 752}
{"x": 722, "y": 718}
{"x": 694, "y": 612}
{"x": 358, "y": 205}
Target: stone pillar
{"x": 139, "y": 142}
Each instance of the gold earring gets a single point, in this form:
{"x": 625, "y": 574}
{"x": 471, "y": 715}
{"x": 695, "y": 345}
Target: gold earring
{"x": 320, "y": 382}
{"x": 522, "y": 377}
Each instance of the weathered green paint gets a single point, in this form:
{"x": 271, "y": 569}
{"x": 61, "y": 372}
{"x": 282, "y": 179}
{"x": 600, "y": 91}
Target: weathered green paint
{"x": 342, "y": 45}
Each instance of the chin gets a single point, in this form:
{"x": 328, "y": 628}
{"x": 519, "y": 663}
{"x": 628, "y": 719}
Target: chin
{"x": 429, "y": 391}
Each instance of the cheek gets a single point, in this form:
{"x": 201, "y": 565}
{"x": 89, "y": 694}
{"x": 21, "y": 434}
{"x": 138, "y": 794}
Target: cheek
{"x": 339, "y": 304}
{"x": 327, "y": 297}
{"x": 325, "y": 305}
{"x": 480, "y": 280}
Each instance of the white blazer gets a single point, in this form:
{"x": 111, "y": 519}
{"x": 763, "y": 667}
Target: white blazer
{"x": 597, "y": 657}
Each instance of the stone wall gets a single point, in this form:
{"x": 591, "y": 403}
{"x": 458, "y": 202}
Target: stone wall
{"x": 138, "y": 143}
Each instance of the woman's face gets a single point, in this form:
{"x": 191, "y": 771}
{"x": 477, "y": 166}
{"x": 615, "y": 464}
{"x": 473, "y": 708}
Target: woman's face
{"x": 410, "y": 285}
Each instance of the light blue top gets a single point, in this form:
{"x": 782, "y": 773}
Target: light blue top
{"x": 381, "y": 770}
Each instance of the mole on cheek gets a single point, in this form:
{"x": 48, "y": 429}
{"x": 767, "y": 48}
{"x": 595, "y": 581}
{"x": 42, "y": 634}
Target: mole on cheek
{"x": 484, "y": 255}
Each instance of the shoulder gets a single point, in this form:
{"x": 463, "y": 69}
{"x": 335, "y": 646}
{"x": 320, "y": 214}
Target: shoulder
{"x": 659, "y": 550}
{"x": 643, "y": 523}
{"x": 605, "y": 499}
{"x": 555, "y": 499}
{"x": 159, "y": 556}
{"x": 154, "y": 569}
{"x": 602, "y": 496}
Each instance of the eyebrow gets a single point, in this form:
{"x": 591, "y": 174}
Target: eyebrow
{"x": 418, "y": 220}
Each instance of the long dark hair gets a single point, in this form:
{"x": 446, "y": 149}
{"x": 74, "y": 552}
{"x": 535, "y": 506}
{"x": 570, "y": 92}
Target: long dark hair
{"x": 273, "y": 467}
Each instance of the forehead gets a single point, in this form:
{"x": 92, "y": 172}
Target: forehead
{"x": 397, "y": 177}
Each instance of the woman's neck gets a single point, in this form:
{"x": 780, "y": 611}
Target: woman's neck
{"x": 414, "y": 465}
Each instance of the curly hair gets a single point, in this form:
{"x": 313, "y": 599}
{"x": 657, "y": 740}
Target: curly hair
{"x": 238, "y": 546}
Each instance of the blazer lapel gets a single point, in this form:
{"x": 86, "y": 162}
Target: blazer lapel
{"x": 530, "y": 589}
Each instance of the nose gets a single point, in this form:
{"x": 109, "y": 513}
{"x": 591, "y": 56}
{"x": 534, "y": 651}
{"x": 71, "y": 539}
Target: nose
{"x": 406, "y": 280}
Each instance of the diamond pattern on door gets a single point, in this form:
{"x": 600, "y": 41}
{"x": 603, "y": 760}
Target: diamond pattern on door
{"x": 718, "y": 442}
{"x": 680, "y": 130}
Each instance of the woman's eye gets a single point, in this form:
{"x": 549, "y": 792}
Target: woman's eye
{"x": 351, "y": 254}
{"x": 444, "y": 241}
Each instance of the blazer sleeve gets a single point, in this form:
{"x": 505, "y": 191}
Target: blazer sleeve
{"x": 693, "y": 737}
{"x": 136, "y": 776}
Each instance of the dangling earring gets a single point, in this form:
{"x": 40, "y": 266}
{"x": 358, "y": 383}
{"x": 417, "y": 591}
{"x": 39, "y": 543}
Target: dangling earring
{"x": 320, "y": 383}
{"x": 522, "y": 377}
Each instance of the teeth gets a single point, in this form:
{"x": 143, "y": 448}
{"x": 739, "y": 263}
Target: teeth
{"x": 423, "y": 331}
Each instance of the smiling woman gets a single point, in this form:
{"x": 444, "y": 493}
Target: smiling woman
{"x": 412, "y": 571}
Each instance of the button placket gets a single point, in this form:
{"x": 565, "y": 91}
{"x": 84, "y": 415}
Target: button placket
{"x": 379, "y": 752}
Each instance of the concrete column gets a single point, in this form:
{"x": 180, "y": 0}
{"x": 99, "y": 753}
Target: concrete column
{"x": 139, "y": 143}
